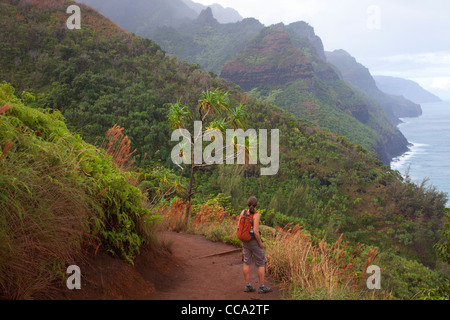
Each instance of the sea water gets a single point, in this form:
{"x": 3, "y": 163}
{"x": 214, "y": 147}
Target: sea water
{"x": 429, "y": 155}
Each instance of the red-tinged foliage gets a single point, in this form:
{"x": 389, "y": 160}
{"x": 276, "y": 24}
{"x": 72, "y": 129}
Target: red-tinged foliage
{"x": 5, "y": 108}
{"x": 6, "y": 149}
{"x": 118, "y": 146}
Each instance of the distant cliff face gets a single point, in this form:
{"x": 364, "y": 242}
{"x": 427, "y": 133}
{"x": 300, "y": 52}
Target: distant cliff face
{"x": 206, "y": 18}
{"x": 305, "y": 30}
{"x": 406, "y": 88}
{"x": 283, "y": 65}
{"x": 223, "y": 15}
{"x": 270, "y": 58}
{"x": 352, "y": 71}
{"x": 359, "y": 76}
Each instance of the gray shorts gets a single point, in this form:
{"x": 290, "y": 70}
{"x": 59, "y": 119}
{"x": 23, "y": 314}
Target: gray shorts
{"x": 252, "y": 249}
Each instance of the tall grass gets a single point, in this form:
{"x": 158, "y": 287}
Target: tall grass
{"x": 43, "y": 217}
{"x": 306, "y": 270}
{"x": 209, "y": 220}
{"x": 319, "y": 271}
{"x": 59, "y": 197}
{"x": 118, "y": 146}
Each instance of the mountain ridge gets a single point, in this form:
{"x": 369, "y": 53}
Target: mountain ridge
{"x": 404, "y": 87}
{"x": 223, "y": 15}
{"x": 282, "y": 65}
{"x": 360, "y": 77}
{"x": 143, "y": 17}
{"x": 259, "y": 63}
{"x": 101, "y": 75}
{"x": 206, "y": 42}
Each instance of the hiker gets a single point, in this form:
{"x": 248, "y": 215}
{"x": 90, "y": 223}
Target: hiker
{"x": 252, "y": 245}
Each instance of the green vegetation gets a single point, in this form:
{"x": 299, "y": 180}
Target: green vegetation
{"x": 306, "y": 268}
{"x": 444, "y": 247}
{"x": 215, "y": 115}
{"x": 321, "y": 96}
{"x": 359, "y": 76}
{"x": 331, "y": 186}
{"x": 208, "y": 44}
{"x": 100, "y": 76}
{"x": 59, "y": 195}
{"x": 307, "y": 105}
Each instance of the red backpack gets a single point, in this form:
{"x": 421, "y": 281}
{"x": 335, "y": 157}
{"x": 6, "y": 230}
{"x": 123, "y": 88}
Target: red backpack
{"x": 245, "y": 226}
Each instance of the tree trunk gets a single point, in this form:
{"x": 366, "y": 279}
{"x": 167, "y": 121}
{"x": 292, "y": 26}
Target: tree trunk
{"x": 189, "y": 195}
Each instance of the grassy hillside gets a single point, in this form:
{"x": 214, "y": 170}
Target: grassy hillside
{"x": 100, "y": 76}
{"x": 60, "y": 196}
{"x": 97, "y": 76}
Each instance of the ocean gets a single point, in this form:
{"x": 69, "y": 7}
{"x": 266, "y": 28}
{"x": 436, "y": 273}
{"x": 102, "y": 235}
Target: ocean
{"x": 429, "y": 157}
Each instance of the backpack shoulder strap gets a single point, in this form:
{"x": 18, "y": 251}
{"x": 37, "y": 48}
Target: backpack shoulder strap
{"x": 249, "y": 215}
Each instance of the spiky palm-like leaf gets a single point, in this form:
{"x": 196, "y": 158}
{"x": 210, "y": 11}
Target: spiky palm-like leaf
{"x": 178, "y": 115}
{"x": 214, "y": 101}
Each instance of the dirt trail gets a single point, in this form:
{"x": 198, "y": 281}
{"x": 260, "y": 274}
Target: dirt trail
{"x": 199, "y": 274}
{"x": 192, "y": 271}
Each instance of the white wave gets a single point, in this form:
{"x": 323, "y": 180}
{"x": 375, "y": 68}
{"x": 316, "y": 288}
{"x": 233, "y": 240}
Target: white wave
{"x": 401, "y": 163}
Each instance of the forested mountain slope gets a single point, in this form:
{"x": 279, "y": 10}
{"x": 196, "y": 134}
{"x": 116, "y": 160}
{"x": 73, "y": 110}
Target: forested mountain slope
{"x": 212, "y": 45}
{"x": 359, "y": 76}
{"x": 282, "y": 66}
{"x": 101, "y": 75}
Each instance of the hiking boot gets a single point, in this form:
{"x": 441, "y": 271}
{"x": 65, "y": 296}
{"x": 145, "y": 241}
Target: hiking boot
{"x": 249, "y": 288}
{"x": 264, "y": 289}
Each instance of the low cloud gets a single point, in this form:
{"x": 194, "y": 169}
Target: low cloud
{"x": 441, "y": 83}
{"x": 411, "y": 39}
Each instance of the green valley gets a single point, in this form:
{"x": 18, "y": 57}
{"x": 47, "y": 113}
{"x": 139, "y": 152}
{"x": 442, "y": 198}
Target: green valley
{"x": 63, "y": 90}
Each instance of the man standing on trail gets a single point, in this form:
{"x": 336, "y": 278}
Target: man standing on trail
{"x": 250, "y": 236}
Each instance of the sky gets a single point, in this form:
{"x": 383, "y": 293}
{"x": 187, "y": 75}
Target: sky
{"x": 403, "y": 38}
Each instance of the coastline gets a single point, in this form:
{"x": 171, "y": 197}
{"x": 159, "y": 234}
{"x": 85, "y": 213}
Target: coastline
{"x": 398, "y": 163}
{"x": 428, "y": 135}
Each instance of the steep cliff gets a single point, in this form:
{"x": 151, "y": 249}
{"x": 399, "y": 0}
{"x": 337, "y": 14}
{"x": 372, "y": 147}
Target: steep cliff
{"x": 283, "y": 67}
{"x": 100, "y": 76}
{"x": 269, "y": 59}
{"x": 223, "y": 15}
{"x": 305, "y": 30}
{"x": 360, "y": 77}
{"x": 407, "y": 88}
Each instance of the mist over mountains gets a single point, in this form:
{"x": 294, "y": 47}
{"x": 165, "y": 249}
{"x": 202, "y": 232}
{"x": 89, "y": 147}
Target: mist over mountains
{"x": 63, "y": 91}
{"x": 283, "y": 67}
{"x": 219, "y": 40}
{"x": 143, "y": 17}
{"x": 360, "y": 77}
{"x": 407, "y": 88}
{"x": 334, "y": 91}
{"x": 223, "y": 15}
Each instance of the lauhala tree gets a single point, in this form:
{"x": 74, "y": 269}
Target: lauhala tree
{"x": 209, "y": 120}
